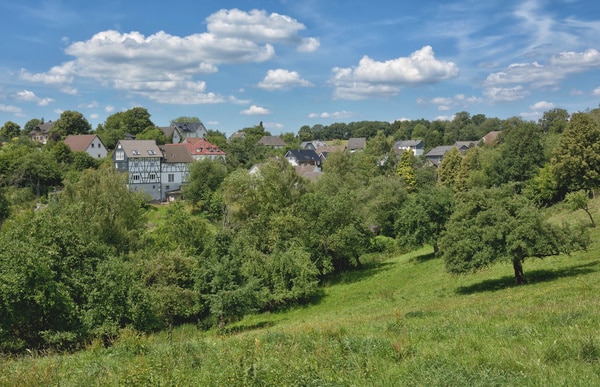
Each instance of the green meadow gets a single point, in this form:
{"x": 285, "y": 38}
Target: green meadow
{"x": 401, "y": 320}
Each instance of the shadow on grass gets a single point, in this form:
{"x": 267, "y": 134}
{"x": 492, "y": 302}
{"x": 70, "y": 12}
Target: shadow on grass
{"x": 534, "y": 276}
{"x": 423, "y": 257}
{"x": 245, "y": 328}
{"x": 356, "y": 275}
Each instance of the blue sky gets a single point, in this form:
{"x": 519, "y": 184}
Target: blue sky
{"x": 290, "y": 63}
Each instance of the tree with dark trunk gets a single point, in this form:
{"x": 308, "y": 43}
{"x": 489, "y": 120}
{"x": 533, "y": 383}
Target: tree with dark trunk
{"x": 492, "y": 225}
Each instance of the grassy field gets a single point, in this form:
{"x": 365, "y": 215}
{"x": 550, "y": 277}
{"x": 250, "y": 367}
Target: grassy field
{"x": 400, "y": 321}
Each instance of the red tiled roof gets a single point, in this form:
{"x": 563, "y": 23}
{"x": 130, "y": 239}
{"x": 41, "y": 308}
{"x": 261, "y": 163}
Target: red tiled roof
{"x": 198, "y": 146}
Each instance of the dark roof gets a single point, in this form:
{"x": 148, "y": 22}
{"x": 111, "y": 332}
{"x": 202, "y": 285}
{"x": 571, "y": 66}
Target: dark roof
{"x": 439, "y": 151}
{"x": 304, "y": 155}
{"x": 465, "y": 145}
{"x": 45, "y": 127}
{"x": 176, "y": 153}
{"x": 189, "y": 127}
{"x": 312, "y": 144}
{"x": 80, "y": 142}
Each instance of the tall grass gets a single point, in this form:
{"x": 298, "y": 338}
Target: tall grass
{"x": 400, "y": 321}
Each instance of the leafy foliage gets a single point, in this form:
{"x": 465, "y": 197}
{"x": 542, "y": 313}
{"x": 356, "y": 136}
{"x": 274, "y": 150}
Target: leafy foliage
{"x": 576, "y": 160}
{"x": 492, "y": 225}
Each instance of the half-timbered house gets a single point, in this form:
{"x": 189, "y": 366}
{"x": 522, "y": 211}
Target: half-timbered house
{"x": 174, "y": 169}
{"x": 141, "y": 160}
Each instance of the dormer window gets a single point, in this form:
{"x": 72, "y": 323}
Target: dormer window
{"x": 135, "y": 152}
{"x": 151, "y": 152}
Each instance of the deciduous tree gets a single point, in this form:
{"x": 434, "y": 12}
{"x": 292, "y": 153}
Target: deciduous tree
{"x": 494, "y": 225}
{"x": 576, "y": 160}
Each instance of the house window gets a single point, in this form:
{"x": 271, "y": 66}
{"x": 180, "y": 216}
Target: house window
{"x": 152, "y": 176}
{"x": 92, "y": 145}
{"x": 151, "y": 152}
{"x": 171, "y": 177}
{"x": 135, "y": 178}
{"x": 119, "y": 155}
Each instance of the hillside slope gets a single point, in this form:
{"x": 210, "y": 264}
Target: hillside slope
{"x": 400, "y": 321}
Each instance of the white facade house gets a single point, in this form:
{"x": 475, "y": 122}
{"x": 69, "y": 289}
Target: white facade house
{"x": 89, "y": 143}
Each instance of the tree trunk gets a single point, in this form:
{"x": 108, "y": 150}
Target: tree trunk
{"x": 587, "y": 210}
{"x": 519, "y": 276}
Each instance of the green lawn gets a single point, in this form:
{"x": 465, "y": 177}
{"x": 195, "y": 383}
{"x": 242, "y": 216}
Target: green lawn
{"x": 400, "y": 321}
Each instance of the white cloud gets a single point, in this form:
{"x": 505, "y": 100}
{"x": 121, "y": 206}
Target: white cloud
{"x": 537, "y": 75}
{"x": 596, "y": 91}
{"x": 445, "y": 103}
{"x": 164, "y": 67}
{"x": 29, "y": 96}
{"x": 373, "y": 78}
{"x": 281, "y": 79}
{"x": 238, "y": 101}
{"x": 90, "y": 105}
{"x": 255, "y": 110}
{"x": 11, "y": 109}
{"x": 109, "y": 108}
{"x": 336, "y": 115}
{"x": 505, "y": 94}
{"x": 257, "y": 26}
{"x": 309, "y": 45}
{"x": 537, "y": 110}
{"x": 543, "y": 106}
{"x": 273, "y": 125}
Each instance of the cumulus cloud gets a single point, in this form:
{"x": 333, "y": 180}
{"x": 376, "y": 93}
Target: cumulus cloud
{"x": 282, "y": 79}
{"x": 336, "y": 115}
{"x": 257, "y": 26}
{"x": 255, "y": 110}
{"x": 543, "y": 106}
{"x": 11, "y": 109}
{"x": 505, "y": 94}
{"x": 166, "y": 68}
{"x": 29, "y": 96}
{"x": 373, "y": 78}
{"x": 596, "y": 91}
{"x": 445, "y": 103}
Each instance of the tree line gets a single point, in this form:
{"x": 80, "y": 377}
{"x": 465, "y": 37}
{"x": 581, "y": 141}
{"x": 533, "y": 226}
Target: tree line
{"x": 92, "y": 258}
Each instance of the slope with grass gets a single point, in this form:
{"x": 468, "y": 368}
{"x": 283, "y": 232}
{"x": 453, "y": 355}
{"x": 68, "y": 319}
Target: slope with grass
{"x": 401, "y": 321}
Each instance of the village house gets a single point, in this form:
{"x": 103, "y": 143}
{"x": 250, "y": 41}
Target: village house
{"x": 179, "y": 131}
{"x": 415, "y": 145}
{"x": 303, "y": 157}
{"x": 41, "y": 133}
{"x": 357, "y": 144}
{"x": 174, "y": 170}
{"x": 201, "y": 149}
{"x": 271, "y": 142}
{"x": 88, "y": 143}
{"x": 141, "y": 160}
